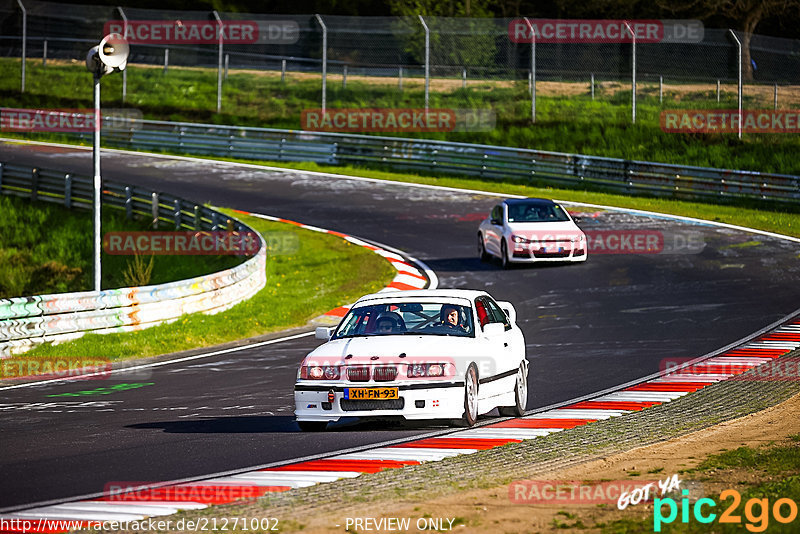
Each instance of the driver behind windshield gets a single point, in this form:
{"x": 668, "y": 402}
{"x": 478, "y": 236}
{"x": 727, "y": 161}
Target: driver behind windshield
{"x": 449, "y": 318}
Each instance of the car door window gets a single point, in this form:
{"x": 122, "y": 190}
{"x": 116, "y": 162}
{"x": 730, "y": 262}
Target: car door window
{"x": 497, "y": 214}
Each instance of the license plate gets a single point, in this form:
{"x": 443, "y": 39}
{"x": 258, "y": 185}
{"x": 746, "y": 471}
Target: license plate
{"x": 371, "y": 393}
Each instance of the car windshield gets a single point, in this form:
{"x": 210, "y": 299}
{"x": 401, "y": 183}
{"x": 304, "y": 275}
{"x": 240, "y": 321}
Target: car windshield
{"x": 407, "y": 318}
{"x": 536, "y": 212}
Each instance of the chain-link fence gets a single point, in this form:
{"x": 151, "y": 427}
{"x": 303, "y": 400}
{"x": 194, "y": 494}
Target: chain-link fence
{"x": 392, "y": 51}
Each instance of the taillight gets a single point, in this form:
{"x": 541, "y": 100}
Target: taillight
{"x": 320, "y": 372}
{"x": 417, "y": 370}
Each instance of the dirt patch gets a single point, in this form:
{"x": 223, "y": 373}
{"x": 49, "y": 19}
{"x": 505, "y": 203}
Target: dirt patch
{"x": 492, "y": 509}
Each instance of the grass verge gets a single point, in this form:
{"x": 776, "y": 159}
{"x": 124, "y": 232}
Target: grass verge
{"x": 46, "y": 248}
{"x": 323, "y": 272}
{"x": 570, "y": 121}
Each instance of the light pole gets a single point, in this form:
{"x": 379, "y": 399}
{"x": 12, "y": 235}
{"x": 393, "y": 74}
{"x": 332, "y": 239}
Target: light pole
{"x": 110, "y": 55}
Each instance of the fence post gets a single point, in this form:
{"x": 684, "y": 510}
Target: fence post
{"x": 1, "y": 177}
{"x": 283, "y": 71}
{"x": 739, "y": 45}
{"x": 154, "y": 209}
{"x": 775, "y": 98}
{"x": 198, "y": 218}
{"x": 593, "y": 86}
{"x": 533, "y": 69}
{"x": 44, "y": 53}
{"x": 717, "y": 90}
{"x": 124, "y": 71}
{"x": 166, "y": 59}
{"x": 400, "y": 79}
{"x": 324, "y": 60}
{"x": 427, "y": 59}
{"x": 633, "y": 72}
{"x": 344, "y": 77}
{"x": 227, "y": 59}
{"x": 24, "y": 41}
{"x": 68, "y": 191}
{"x": 660, "y": 89}
{"x": 464, "y": 78}
{"x": 219, "y": 62}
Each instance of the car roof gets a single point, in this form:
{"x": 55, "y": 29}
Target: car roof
{"x": 529, "y": 201}
{"x": 445, "y": 294}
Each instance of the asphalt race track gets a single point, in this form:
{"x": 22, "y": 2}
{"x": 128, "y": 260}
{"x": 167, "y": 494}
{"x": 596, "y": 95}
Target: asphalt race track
{"x": 588, "y": 327}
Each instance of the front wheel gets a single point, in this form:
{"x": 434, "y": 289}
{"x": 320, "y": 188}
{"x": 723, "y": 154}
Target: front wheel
{"x": 482, "y": 254}
{"x": 470, "y": 398}
{"x": 520, "y": 395}
{"x": 504, "y": 262}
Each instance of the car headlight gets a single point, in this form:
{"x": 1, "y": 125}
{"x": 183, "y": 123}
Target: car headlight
{"x": 417, "y": 370}
{"x": 518, "y": 239}
{"x": 320, "y": 372}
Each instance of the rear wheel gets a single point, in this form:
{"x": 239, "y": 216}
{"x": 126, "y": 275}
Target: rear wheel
{"x": 484, "y": 256}
{"x": 312, "y": 426}
{"x": 520, "y": 394}
{"x": 470, "y": 397}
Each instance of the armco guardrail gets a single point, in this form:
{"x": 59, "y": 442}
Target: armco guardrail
{"x": 27, "y": 321}
{"x": 483, "y": 161}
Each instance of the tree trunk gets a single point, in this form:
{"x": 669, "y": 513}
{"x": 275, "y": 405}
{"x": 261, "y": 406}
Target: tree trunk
{"x": 750, "y": 22}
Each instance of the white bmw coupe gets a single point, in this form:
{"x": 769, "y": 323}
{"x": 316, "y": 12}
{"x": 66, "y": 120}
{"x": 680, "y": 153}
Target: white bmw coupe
{"x": 429, "y": 354}
{"x": 530, "y": 230}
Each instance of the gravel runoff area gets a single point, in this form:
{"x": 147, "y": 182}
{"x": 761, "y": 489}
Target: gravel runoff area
{"x": 744, "y": 394}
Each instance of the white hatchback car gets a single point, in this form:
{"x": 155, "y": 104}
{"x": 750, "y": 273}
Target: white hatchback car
{"x": 530, "y": 230}
{"x": 427, "y": 354}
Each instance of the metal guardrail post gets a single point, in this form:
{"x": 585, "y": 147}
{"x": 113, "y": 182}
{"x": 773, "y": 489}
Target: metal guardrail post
{"x": 154, "y": 209}
{"x": 739, "y": 45}
{"x": 34, "y": 184}
{"x": 198, "y": 219}
{"x": 176, "y": 214}
{"x": 128, "y": 203}
{"x": 24, "y": 41}
{"x": 283, "y": 71}
{"x": 1, "y": 178}
{"x": 219, "y": 61}
{"x": 44, "y": 53}
{"x": 124, "y": 71}
{"x": 427, "y": 60}
{"x": 344, "y": 77}
{"x": 68, "y": 191}
{"x": 324, "y": 61}
{"x": 166, "y": 59}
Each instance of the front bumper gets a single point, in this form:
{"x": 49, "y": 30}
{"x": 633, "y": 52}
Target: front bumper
{"x": 531, "y": 253}
{"x": 440, "y": 400}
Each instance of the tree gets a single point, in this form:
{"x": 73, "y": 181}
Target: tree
{"x": 745, "y": 14}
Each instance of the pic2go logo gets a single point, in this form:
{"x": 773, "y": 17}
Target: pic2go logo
{"x": 756, "y": 511}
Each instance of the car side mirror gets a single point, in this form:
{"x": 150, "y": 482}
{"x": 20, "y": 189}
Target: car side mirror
{"x": 509, "y": 310}
{"x": 494, "y": 329}
{"x": 323, "y": 332}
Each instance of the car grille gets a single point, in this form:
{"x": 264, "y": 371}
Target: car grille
{"x": 358, "y": 374}
{"x": 385, "y": 374}
{"x": 349, "y": 405}
{"x": 563, "y": 254}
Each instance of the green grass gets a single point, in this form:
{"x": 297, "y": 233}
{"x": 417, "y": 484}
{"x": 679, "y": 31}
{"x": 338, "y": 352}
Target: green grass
{"x": 46, "y": 248}
{"x": 322, "y": 273}
{"x": 565, "y": 124}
